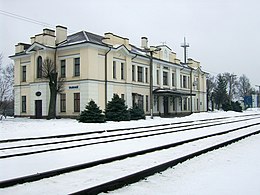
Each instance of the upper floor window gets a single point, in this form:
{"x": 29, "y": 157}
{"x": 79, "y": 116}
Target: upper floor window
{"x": 140, "y": 74}
{"x": 173, "y": 79}
{"x": 76, "y": 67}
{"x": 39, "y": 67}
{"x": 133, "y": 72}
{"x": 146, "y": 75}
{"x": 63, "y": 68}
{"x": 184, "y": 81}
{"x": 23, "y": 73}
{"x": 165, "y": 78}
{"x": 114, "y": 69}
{"x": 122, "y": 70}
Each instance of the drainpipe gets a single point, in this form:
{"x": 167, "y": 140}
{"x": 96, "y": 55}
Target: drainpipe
{"x": 106, "y": 75}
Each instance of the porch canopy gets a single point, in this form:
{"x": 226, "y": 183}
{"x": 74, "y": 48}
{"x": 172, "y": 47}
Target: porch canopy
{"x": 172, "y": 92}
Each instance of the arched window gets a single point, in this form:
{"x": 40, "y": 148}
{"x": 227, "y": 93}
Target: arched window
{"x": 39, "y": 67}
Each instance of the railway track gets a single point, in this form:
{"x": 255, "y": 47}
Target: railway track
{"x": 182, "y": 150}
{"x": 117, "y": 135}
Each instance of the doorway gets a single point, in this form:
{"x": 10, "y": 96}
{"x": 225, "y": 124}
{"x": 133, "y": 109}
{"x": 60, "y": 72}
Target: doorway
{"x": 166, "y": 105}
{"x": 38, "y": 109}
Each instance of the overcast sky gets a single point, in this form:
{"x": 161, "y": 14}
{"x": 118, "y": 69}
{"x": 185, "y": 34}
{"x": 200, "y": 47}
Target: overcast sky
{"x": 224, "y": 35}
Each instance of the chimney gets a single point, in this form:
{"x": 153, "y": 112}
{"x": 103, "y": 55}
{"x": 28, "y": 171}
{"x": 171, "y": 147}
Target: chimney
{"x": 32, "y": 40}
{"x": 61, "y": 34}
{"x": 144, "y": 42}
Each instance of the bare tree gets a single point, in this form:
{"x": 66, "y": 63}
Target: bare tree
{"x": 6, "y": 85}
{"x": 232, "y": 85}
{"x": 49, "y": 71}
{"x": 244, "y": 87}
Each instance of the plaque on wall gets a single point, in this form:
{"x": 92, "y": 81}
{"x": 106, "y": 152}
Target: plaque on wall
{"x": 38, "y": 93}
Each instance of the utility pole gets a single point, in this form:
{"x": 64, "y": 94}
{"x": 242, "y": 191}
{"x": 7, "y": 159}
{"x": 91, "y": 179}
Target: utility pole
{"x": 185, "y": 46}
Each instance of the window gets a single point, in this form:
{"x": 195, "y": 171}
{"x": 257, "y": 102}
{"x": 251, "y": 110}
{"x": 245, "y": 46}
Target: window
{"x": 173, "y": 79}
{"x": 23, "y": 73}
{"x": 140, "y": 74}
{"x": 23, "y": 103}
{"x": 133, "y": 72}
{"x": 76, "y": 67}
{"x": 140, "y": 101}
{"x": 62, "y": 68}
{"x": 39, "y": 67}
{"x": 184, "y": 81}
{"x": 188, "y": 82}
{"x": 114, "y": 69}
{"x": 122, "y": 71}
{"x": 147, "y": 103}
{"x": 165, "y": 78}
{"x": 123, "y": 96}
{"x": 185, "y": 106}
{"x": 76, "y": 102}
{"x": 181, "y": 81}
{"x": 62, "y": 102}
{"x": 158, "y": 77}
{"x": 146, "y": 75}
{"x": 173, "y": 104}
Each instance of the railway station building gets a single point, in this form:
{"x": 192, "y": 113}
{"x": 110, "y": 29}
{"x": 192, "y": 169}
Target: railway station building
{"x": 96, "y": 67}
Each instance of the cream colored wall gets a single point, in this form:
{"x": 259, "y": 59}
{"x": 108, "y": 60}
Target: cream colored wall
{"x": 92, "y": 73}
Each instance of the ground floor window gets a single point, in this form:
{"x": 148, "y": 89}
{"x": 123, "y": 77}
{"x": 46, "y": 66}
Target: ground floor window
{"x": 138, "y": 100}
{"x": 147, "y": 103}
{"x": 23, "y": 103}
{"x": 185, "y": 104}
{"x": 76, "y": 102}
{"x": 63, "y": 102}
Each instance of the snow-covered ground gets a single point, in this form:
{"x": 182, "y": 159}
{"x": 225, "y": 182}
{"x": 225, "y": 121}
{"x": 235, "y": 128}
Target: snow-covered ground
{"x": 22, "y": 127}
{"x": 12, "y": 128}
{"x": 234, "y": 169}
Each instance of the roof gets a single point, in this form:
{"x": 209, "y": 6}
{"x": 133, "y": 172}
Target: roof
{"x": 172, "y": 92}
{"x": 82, "y": 37}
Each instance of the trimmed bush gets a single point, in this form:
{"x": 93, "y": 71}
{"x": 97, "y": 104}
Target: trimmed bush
{"x": 136, "y": 113}
{"x": 116, "y": 110}
{"x": 91, "y": 114}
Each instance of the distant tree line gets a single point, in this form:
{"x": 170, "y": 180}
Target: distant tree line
{"x": 227, "y": 91}
{"x": 6, "y": 88}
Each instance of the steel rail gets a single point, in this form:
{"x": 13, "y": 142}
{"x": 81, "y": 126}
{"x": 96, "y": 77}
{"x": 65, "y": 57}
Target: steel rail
{"x": 52, "y": 173}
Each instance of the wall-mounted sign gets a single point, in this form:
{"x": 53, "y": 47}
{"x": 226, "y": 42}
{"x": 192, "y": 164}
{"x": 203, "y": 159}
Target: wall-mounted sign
{"x": 38, "y": 93}
{"x": 74, "y": 87}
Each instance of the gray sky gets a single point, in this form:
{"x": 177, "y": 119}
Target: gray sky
{"x": 224, "y": 35}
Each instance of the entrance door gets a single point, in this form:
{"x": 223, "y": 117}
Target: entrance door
{"x": 38, "y": 108}
{"x": 165, "y": 105}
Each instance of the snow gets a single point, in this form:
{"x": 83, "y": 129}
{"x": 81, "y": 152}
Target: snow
{"x": 180, "y": 178}
{"x": 23, "y": 127}
{"x": 234, "y": 169}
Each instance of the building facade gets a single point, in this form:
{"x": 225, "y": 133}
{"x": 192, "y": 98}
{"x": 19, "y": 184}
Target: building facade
{"x": 96, "y": 67}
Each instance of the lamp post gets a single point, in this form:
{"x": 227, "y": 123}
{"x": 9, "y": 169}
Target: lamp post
{"x": 151, "y": 50}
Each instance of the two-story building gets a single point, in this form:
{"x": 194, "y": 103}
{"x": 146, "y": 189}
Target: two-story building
{"x": 96, "y": 67}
